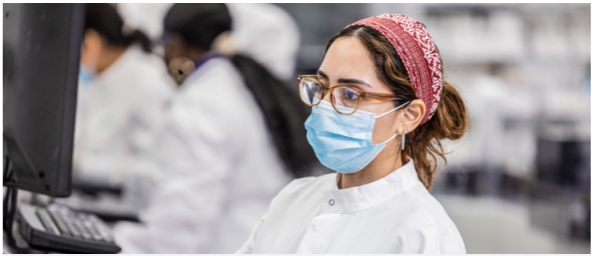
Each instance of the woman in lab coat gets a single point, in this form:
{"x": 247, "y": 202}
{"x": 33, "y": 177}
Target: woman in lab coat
{"x": 122, "y": 93}
{"x": 380, "y": 109}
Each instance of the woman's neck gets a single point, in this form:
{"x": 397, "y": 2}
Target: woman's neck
{"x": 110, "y": 56}
{"x": 385, "y": 163}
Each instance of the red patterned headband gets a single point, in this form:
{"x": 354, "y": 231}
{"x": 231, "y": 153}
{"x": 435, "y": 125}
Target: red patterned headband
{"x": 417, "y": 51}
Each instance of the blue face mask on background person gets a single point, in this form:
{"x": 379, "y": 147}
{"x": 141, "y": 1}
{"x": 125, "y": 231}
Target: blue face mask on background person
{"x": 343, "y": 143}
{"x": 85, "y": 75}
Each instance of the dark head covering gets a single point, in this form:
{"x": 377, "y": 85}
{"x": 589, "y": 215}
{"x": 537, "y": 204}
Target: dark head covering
{"x": 199, "y": 24}
{"x": 104, "y": 19}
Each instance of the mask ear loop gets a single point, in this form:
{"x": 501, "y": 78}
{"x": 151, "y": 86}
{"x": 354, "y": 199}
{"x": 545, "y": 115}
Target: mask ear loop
{"x": 398, "y": 107}
{"x": 392, "y": 137}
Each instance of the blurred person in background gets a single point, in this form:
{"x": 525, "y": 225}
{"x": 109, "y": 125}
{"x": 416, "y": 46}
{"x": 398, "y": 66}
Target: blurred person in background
{"x": 122, "y": 94}
{"x": 227, "y": 148}
{"x": 380, "y": 78}
{"x": 264, "y": 32}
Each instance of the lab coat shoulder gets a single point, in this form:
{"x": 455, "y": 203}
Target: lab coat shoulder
{"x": 407, "y": 223}
{"x": 217, "y": 90}
{"x": 302, "y": 190}
{"x": 152, "y": 74}
{"x": 430, "y": 212}
{"x": 294, "y": 205}
{"x": 145, "y": 82}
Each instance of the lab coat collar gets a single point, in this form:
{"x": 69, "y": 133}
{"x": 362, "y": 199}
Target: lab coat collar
{"x": 210, "y": 62}
{"x": 359, "y": 198}
{"x": 206, "y": 57}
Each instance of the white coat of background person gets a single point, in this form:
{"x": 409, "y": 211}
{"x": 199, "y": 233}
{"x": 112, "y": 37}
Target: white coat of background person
{"x": 215, "y": 169}
{"x": 264, "y": 32}
{"x": 122, "y": 94}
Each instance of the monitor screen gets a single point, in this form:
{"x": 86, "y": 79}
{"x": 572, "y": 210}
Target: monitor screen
{"x": 41, "y": 47}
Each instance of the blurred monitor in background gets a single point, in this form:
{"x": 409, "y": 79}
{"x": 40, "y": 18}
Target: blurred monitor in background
{"x": 123, "y": 89}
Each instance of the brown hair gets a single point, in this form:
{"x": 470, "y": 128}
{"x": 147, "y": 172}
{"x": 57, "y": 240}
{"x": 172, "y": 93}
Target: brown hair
{"x": 450, "y": 120}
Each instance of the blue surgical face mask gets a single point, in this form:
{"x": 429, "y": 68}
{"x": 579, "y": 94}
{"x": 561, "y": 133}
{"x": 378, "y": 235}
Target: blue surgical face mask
{"x": 343, "y": 143}
{"x": 85, "y": 75}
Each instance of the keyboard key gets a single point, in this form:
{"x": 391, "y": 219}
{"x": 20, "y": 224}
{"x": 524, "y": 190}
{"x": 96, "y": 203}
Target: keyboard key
{"x": 89, "y": 226}
{"x": 68, "y": 219}
{"x": 83, "y": 230}
{"x": 58, "y": 219}
{"x": 101, "y": 228}
{"x": 47, "y": 221}
{"x": 73, "y": 229}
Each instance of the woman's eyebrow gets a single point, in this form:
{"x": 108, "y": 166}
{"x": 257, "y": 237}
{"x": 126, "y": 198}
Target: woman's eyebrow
{"x": 323, "y": 74}
{"x": 353, "y": 81}
{"x": 344, "y": 80}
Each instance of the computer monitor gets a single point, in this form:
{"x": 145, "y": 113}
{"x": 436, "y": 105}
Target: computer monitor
{"x": 42, "y": 44}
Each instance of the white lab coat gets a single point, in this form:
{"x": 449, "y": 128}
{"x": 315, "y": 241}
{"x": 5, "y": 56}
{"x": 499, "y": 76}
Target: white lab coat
{"x": 118, "y": 115}
{"x": 395, "y": 214}
{"x": 217, "y": 169}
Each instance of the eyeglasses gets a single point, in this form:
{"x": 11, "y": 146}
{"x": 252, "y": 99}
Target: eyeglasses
{"x": 312, "y": 92}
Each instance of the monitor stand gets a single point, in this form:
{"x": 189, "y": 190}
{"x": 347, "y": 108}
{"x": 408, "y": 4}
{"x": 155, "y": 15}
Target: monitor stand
{"x": 10, "y": 200}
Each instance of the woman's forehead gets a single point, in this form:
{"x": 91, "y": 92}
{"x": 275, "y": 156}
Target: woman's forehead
{"x": 348, "y": 58}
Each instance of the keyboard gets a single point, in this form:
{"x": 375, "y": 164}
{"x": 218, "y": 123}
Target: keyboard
{"x": 57, "y": 228}
{"x": 105, "y": 206}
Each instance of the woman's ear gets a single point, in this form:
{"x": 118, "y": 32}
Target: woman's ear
{"x": 413, "y": 115}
